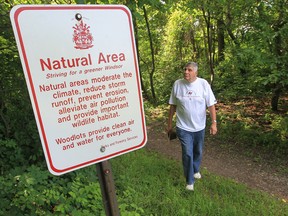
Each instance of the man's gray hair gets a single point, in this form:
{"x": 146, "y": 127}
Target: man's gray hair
{"x": 193, "y": 65}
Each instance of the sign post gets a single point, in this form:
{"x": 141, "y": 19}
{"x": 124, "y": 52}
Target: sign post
{"x": 106, "y": 181}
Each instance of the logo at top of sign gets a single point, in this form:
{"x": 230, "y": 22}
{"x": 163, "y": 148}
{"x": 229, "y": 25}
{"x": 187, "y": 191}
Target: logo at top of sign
{"x": 82, "y": 36}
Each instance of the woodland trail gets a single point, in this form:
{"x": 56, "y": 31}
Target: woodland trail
{"x": 228, "y": 162}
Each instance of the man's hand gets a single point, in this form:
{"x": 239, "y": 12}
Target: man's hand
{"x": 213, "y": 129}
{"x": 172, "y": 134}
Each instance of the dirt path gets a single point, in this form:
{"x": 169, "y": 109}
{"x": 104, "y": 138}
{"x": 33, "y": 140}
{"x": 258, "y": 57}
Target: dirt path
{"x": 228, "y": 163}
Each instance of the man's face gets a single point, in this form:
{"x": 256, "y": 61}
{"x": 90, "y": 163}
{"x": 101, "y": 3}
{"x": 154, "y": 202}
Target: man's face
{"x": 190, "y": 74}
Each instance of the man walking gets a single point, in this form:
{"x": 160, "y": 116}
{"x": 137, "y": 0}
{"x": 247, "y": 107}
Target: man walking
{"x": 190, "y": 98}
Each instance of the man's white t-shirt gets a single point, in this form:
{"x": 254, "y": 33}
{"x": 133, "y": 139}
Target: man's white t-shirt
{"x": 191, "y": 100}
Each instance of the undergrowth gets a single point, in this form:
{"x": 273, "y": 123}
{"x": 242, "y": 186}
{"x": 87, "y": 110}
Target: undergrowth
{"x": 146, "y": 184}
{"x": 159, "y": 189}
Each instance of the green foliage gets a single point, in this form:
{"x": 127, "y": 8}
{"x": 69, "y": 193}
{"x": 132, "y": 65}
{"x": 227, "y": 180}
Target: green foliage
{"x": 146, "y": 184}
{"x": 36, "y": 192}
{"x": 280, "y": 128}
{"x": 162, "y": 190}
{"x": 16, "y": 117}
{"x": 10, "y": 155}
{"x": 267, "y": 132}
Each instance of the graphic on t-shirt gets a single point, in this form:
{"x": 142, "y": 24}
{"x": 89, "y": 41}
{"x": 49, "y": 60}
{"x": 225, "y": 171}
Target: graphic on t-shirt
{"x": 190, "y": 93}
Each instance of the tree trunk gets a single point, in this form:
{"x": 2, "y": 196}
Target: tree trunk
{"x": 195, "y": 54}
{"x": 145, "y": 94}
{"x": 275, "y": 98}
{"x": 210, "y": 44}
{"x": 221, "y": 40}
{"x": 151, "y": 74}
{"x": 278, "y": 50}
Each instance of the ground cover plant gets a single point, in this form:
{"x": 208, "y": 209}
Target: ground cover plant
{"x": 146, "y": 183}
{"x": 158, "y": 188}
{"x": 250, "y": 123}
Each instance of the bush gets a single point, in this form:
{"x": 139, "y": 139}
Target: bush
{"x": 10, "y": 155}
{"x": 36, "y": 192}
{"x": 252, "y": 133}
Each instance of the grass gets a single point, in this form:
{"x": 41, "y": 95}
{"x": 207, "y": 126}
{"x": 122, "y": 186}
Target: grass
{"x": 150, "y": 184}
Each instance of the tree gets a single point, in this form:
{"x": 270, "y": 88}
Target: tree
{"x": 272, "y": 33}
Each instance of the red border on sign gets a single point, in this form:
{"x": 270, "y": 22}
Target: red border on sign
{"x": 18, "y": 11}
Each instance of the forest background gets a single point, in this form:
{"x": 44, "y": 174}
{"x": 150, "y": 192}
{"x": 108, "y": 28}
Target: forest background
{"x": 241, "y": 48}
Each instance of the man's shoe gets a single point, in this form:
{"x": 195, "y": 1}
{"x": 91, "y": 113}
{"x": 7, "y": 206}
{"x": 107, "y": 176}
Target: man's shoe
{"x": 190, "y": 187}
{"x": 197, "y": 175}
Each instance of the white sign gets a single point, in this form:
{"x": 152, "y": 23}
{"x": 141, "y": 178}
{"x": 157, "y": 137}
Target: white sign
{"x": 81, "y": 69}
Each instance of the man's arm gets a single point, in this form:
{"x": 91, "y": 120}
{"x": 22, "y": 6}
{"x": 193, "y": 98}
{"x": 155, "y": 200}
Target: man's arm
{"x": 213, "y": 128}
{"x": 172, "y": 111}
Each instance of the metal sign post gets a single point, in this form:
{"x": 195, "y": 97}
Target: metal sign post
{"x": 107, "y": 185}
